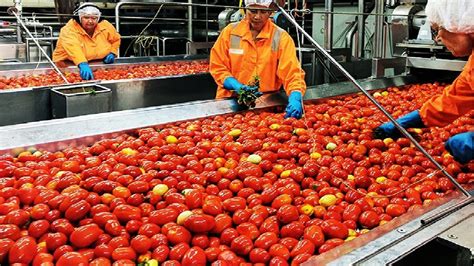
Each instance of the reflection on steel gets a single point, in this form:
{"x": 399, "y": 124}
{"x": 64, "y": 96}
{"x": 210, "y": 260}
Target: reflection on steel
{"x": 328, "y": 23}
{"x": 372, "y": 99}
{"x": 378, "y": 35}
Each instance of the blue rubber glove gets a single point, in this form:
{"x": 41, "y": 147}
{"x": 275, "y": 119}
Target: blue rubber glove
{"x": 295, "y": 105}
{"x": 109, "y": 59}
{"x": 85, "y": 71}
{"x": 233, "y": 84}
{"x": 388, "y": 130}
{"x": 461, "y": 146}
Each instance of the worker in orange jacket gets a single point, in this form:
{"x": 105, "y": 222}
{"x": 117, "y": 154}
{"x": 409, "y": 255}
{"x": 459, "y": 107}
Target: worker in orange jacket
{"x": 453, "y": 21}
{"x": 86, "y": 38}
{"x": 256, "y": 47}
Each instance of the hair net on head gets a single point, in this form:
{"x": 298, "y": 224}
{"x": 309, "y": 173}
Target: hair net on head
{"x": 453, "y": 15}
{"x": 89, "y": 11}
{"x": 265, "y": 3}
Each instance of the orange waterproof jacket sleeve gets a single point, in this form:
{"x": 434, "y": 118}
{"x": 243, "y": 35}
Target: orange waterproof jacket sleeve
{"x": 75, "y": 45}
{"x": 275, "y": 66}
{"x": 456, "y": 99}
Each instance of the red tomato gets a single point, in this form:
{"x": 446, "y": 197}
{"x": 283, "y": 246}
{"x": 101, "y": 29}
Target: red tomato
{"x": 72, "y": 258}
{"x": 287, "y": 213}
{"x": 194, "y": 256}
{"x": 369, "y": 219}
{"x": 23, "y": 251}
{"x": 140, "y": 244}
{"x": 85, "y": 235}
{"x": 242, "y": 245}
{"x": 163, "y": 216}
{"x": 124, "y": 253}
{"x": 125, "y": 213}
{"x": 314, "y": 234}
{"x": 199, "y": 223}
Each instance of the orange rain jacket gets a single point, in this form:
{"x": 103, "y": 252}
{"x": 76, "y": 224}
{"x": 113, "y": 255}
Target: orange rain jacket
{"x": 76, "y": 45}
{"x": 456, "y": 99}
{"x": 236, "y": 54}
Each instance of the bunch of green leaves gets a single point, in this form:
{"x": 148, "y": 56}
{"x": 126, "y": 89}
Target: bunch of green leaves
{"x": 249, "y": 97}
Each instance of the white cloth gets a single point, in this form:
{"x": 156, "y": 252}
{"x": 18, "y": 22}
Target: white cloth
{"x": 265, "y": 3}
{"x": 454, "y": 15}
{"x": 89, "y": 11}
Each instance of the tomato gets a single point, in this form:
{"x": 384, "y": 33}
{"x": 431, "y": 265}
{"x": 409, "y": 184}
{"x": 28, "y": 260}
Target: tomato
{"x": 43, "y": 259}
{"x": 9, "y": 231}
{"x": 351, "y": 212}
{"x": 103, "y": 250}
{"x": 140, "y": 244}
{"x": 178, "y": 234}
{"x": 5, "y": 245}
{"x": 17, "y": 217}
{"x": 77, "y": 211}
{"x": 85, "y": 235}
{"x": 72, "y": 258}
{"x": 163, "y": 216}
{"x": 266, "y": 240}
{"x": 123, "y": 253}
{"x": 178, "y": 251}
{"x": 222, "y": 221}
{"x": 259, "y": 255}
{"x": 194, "y": 256}
{"x": 101, "y": 261}
{"x": 303, "y": 247}
{"x": 294, "y": 229}
{"x": 160, "y": 253}
{"x": 395, "y": 210}
{"x": 369, "y": 219}
{"x": 201, "y": 241}
{"x": 241, "y": 245}
{"x": 125, "y": 213}
{"x": 314, "y": 233}
{"x": 287, "y": 213}
{"x": 54, "y": 240}
{"x": 23, "y": 250}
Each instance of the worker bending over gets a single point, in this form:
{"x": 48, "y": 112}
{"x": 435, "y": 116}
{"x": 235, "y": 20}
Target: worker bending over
{"x": 256, "y": 47}
{"x": 85, "y": 38}
{"x": 454, "y": 21}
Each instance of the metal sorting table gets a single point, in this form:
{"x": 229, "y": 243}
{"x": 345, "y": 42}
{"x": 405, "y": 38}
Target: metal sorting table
{"x": 34, "y": 104}
{"x": 385, "y": 244}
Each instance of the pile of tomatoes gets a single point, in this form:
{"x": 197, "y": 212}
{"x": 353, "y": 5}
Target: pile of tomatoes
{"x": 237, "y": 189}
{"x": 129, "y": 72}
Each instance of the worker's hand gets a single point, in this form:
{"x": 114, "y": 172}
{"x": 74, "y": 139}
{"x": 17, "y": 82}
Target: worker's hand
{"x": 233, "y": 84}
{"x": 461, "y": 146}
{"x": 85, "y": 71}
{"x": 388, "y": 130}
{"x": 295, "y": 105}
{"x": 109, "y": 59}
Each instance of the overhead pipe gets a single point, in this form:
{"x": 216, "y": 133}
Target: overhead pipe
{"x": 361, "y": 30}
{"x": 328, "y": 24}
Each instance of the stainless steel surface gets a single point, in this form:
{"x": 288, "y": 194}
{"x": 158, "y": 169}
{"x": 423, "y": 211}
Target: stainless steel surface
{"x": 447, "y": 211}
{"x": 435, "y": 63}
{"x": 378, "y": 34}
{"x": 41, "y": 48}
{"x": 190, "y": 21}
{"x": 360, "y": 30}
{"x": 379, "y": 65}
{"x": 12, "y": 51}
{"x": 374, "y": 101}
{"x": 400, "y": 25}
{"x": 431, "y": 47}
{"x": 76, "y": 100}
{"x": 461, "y": 234}
{"x": 328, "y": 23}
{"x": 19, "y": 8}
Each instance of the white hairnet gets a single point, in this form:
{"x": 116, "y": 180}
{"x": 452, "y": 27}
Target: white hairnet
{"x": 89, "y": 11}
{"x": 453, "y": 15}
{"x": 265, "y": 3}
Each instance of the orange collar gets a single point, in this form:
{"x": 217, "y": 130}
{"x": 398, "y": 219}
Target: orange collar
{"x": 243, "y": 30}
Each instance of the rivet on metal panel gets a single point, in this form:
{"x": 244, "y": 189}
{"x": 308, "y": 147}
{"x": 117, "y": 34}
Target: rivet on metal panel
{"x": 401, "y": 230}
{"x": 452, "y": 236}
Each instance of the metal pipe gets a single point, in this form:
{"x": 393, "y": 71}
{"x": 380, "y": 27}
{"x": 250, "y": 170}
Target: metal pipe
{"x": 350, "y": 34}
{"x": 190, "y": 21}
{"x": 120, "y": 4}
{"x": 378, "y": 41}
{"x": 328, "y": 24}
{"x": 361, "y": 30}
{"x": 40, "y": 48}
{"x": 372, "y": 99}
{"x": 19, "y": 9}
